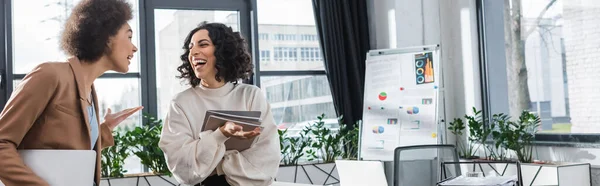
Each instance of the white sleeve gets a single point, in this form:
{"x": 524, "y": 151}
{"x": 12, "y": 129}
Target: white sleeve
{"x": 190, "y": 160}
{"x": 257, "y": 165}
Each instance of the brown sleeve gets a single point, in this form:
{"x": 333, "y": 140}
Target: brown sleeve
{"x": 106, "y": 136}
{"x": 25, "y": 105}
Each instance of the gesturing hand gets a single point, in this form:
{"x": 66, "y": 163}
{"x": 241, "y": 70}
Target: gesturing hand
{"x": 112, "y": 120}
{"x": 230, "y": 129}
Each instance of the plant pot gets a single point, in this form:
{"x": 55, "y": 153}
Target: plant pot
{"x": 125, "y": 181}
{"x": 555, "y": 173}
{"x": 320, "y": 174}
{"x": 287, "y": 174}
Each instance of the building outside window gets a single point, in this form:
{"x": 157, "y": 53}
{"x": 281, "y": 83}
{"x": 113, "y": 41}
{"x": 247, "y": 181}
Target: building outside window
{"x": 296, "y": 100}
{"x": 549, "y": 65}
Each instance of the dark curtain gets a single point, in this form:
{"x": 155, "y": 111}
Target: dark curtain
{"x": 344, "y": 37}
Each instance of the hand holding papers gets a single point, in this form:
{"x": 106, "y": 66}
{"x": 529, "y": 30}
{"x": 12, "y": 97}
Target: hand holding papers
{"x": 247, "y": 120}
{"x": 230, "y": 129}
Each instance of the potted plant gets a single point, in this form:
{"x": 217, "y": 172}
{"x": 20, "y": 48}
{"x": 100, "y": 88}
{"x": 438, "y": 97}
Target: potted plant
{"x": 465, "y": 149}
{"x": 144, "y": 144}
{"x": 327, "y": 145}
{"x": 292, "y": 149}
{"x": 479, "y": 145}
{"x": 517, "y": 136}
{"x": 321, "y": 146}
{"x": 349, "y": 140}
{"x": 113, "y": 158}
{"x": 480, "y": 132}
{"x": 141, "y": 141}
{"x": 468, "y": 149}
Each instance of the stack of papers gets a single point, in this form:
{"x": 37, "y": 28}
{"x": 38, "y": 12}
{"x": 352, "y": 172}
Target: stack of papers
{"x": 481, "y": 181}
{"x": 249, "y": 120}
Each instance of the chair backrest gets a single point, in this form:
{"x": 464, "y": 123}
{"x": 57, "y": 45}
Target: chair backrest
{"x": 419, "y": 165}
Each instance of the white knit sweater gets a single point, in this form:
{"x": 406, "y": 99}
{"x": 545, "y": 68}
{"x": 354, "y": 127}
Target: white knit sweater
{"x": 192, "y": 155}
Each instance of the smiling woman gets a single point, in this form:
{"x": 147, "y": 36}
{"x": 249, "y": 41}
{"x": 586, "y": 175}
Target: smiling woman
{"x": 215, "y": 58}
{"x": 58, "y": 99}
{"x": 50, "y": 16}
{"x": 218, "y": 47}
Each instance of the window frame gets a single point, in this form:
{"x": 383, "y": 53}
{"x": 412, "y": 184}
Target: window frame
{"x": 493, "y": 64}
{"x": 147, "y": 68}
{"x": 8, "y": 75}
{"x": 148, "y": 56}
{"x": 6, "y": 83}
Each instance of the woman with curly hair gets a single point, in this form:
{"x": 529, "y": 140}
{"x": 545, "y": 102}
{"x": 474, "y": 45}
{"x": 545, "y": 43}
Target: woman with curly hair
{"x": 214, "y": 61}
{"x": 55, "y": 106}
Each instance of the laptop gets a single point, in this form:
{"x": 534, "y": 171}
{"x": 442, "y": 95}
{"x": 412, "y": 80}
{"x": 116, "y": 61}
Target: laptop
{"x": 61, "y": 167}
{"x": 361, "y": 173}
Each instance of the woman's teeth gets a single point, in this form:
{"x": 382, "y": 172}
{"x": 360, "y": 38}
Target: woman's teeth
{"x": 199, "y": 62}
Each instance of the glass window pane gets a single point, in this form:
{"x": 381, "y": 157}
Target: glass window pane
{"x": 42, "y": 40}
{"x": 550, "y": 66}
{"x": 297, "y": 100}
{"x": 291, "y": 32}
{"x": 171, "y": 28}
{"x": 118, "y": 94}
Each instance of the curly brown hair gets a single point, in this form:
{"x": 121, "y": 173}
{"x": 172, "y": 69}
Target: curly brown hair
{"x": 233, "y": 60}
{"x": 91, "y": 24}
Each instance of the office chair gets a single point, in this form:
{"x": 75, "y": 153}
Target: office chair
{"x": 419, "y": 165}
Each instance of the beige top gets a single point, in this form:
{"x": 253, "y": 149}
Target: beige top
{"x": 193, "y": 155}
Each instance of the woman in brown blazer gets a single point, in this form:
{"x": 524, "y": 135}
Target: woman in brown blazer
{"x": 55, "y": 106}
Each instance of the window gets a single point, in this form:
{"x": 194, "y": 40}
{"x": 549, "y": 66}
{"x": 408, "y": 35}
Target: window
{"x": 265, "y": 55}
{"x": 295, "y": 83}
{"x": 284, "y": 37}
{"x": 151, "y": 83}
{"x": 290, "y": 37}
{"x": 547, "y": 67}
{"x": 49, "y": 16}
{"x": 298, "y": 98}
{"x": 295, "y": 38}
{"x": 310, "y": 54}
{"x": 118, "y": 92}
{"x": 170, "y": 31}
{"x": 285, "y": 54}
{"x": 308, "y": 37}
{"x": 263, "y": 36}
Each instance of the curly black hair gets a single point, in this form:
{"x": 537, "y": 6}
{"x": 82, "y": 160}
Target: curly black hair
{"x": 91, "y": 24}
{"x": 233, "y": 60}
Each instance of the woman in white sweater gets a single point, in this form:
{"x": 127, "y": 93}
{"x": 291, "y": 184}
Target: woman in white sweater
{"x": 215, "y": 59}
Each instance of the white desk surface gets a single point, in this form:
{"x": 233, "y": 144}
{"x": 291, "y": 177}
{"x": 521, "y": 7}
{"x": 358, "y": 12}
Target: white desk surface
{"x": 289, "y": 184}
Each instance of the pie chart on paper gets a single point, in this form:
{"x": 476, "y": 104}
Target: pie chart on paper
{"x": 382, "y": 96}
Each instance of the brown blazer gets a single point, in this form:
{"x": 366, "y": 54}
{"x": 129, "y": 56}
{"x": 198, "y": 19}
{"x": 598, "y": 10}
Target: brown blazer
{"x": 47, "y": 111}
